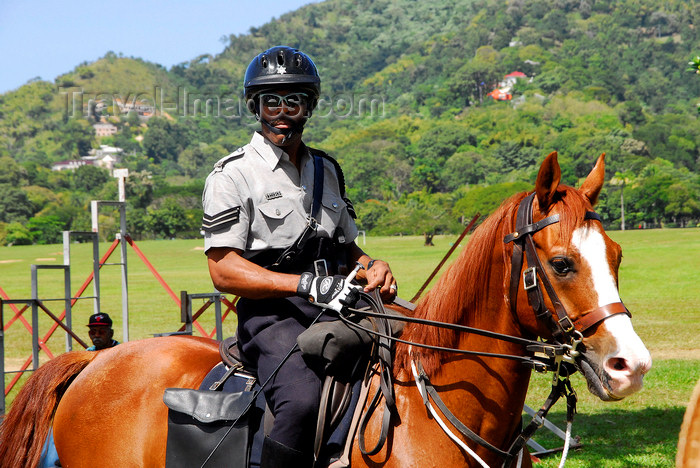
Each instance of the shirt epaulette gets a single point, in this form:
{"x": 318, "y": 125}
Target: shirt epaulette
{"x": 226, "y": 159}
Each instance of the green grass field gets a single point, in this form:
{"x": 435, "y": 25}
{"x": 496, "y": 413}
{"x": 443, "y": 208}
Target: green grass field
{"x": 659, "y": 282}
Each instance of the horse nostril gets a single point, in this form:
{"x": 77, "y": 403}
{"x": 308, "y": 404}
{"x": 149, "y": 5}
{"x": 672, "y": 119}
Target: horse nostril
{"x": 619, "y": 364}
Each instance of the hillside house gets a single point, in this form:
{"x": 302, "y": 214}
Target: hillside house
{"x": 69, "y": 165}
{"x": 510, "y": 79}
{"x": 503, "y": 92}
{"x": 103, "y": 129}
{"x": 104, "y": 157}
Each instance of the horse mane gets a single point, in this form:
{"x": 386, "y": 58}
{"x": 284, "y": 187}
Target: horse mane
{"x": 460, "y": 295}
{"x": 27, "y": 424}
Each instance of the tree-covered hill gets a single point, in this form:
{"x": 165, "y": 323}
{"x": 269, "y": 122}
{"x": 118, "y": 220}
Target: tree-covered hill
{"x": 404, "y": 109}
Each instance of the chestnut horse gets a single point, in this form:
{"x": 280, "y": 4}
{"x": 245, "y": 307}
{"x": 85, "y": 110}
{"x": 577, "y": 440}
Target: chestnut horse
{"x": 107, "y": 407}
{"x": 688, "y": 454}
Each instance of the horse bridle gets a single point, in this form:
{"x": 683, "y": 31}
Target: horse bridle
{"x": 567, "y": 335}
{"x": 564, "y": 330}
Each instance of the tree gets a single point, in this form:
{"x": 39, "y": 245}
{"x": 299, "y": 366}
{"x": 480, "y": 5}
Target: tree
{"x": 12, "y": 173}
{"x": 139, "y": 189}
{"x": 432, "y": 150}
{"x": 485, "y": 200}
{"x": 464, "y": 168}
{"x": 14, "y": 204}
{"x": 370, "y": 214}
{"x": 197, "y": 161}
{"x": 169, "y": 220}
{"x": 164, "y": 139}
{"x": 46, "y": 229}
{"x": 90, "y": 179}
{"x": 132, "y": 118}
{"x": 18, "y": 234}
{"x": 631, "y": 112}
{"x": 78, "y": 137}
{"x": 3, "y": 233}
{"x": 159, "y": 145}
{"x": 125, "y": 141}
{"x": 683, "y": 203}
{"x": 479, "y": 75}
{"x": 650, "y": 195}
{"x": 514, "y": 155}
{"x": 695, "y": 68}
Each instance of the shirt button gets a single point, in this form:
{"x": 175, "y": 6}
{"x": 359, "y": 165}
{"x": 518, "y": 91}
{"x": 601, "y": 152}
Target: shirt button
{"x": 277, "y": 212}
{"x": 335, "y": 205}
{"x": 303, "y": 187}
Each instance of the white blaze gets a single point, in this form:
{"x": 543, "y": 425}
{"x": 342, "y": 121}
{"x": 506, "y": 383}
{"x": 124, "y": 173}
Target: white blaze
{"x": 591, "y": 246}
{"x": 629, "y": 349}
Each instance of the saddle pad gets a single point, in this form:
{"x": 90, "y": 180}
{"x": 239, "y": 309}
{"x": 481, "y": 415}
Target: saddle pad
{"x": 335, "y": 443}
{"x": 206, "y": 425}
{"x": 238, "y": 383}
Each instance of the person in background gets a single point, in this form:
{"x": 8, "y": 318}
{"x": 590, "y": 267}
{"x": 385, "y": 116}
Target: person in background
{"x": 101, "y": 332}
{"x": 280, "y": 232}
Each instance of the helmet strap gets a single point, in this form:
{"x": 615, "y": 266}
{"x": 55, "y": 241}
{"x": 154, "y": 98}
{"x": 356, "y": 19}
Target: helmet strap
{"x": 253, "y": 106}
{"x": 295, "y": 128}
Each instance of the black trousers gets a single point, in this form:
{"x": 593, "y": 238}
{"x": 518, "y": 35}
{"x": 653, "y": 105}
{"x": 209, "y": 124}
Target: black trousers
{"x": 267, "y": 330}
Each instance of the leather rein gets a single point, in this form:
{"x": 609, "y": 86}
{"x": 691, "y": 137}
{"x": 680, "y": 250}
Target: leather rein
{"x": 560, "y": 355}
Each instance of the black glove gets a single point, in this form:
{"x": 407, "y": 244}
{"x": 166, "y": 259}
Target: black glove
{"x": 330, "y": 292}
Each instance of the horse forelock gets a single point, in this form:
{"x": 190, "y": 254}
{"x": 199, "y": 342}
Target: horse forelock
{"x": 571, "y": 207}
{"x": 461, "y": 293}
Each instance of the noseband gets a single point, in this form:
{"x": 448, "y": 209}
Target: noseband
{"x": 563, "y": 329}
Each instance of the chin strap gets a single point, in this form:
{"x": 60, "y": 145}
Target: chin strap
{"x": 295, "y": 128}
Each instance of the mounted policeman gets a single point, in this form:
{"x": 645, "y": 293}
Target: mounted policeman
{"x": 280, "y": 232}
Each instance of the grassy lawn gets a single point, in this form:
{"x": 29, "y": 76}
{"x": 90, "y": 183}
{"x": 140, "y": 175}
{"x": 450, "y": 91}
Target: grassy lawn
{"x": 659, "y": 281}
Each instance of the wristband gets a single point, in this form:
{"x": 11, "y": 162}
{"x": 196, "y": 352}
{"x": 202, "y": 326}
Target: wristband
{"x": 304, "y": 286}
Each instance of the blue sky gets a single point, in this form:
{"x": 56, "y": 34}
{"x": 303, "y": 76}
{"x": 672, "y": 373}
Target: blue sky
{"x": 47, "y": 38}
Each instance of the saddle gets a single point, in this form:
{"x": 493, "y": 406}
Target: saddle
{"x": 339, "y": 394}
{"x": 334, "y": 346}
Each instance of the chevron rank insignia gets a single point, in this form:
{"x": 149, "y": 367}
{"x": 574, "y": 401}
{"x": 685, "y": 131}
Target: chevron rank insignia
{"x": 221, "y": 220}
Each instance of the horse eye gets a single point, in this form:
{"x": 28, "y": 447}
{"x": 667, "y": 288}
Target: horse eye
{"x": 561, "y": 265}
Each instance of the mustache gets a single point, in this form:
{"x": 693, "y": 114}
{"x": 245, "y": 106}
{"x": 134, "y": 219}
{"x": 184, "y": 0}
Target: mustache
{"x": 291, "y": 121}
{"x": 282, "y": 121}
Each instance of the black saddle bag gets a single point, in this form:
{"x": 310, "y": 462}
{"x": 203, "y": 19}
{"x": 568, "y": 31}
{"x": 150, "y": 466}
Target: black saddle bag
{"x": 199, "y": 419}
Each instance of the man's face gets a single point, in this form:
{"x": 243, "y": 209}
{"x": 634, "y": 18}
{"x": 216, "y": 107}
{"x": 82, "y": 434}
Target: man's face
{"x": 101, "y": 336}
{"x": 283, "y": 109}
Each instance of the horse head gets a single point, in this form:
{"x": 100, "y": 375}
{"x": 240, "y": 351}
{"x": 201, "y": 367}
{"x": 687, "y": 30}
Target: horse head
{"x": 580, "y": 263}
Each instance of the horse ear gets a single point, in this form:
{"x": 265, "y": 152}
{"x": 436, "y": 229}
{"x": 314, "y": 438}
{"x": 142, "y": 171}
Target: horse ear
{"x": 594, "y": 182}
{"x": 547, "y": 181}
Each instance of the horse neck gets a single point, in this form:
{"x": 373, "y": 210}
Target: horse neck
{"x": 500, "y": 385}
{"x": 485, "y": 393}
{"x": 473, "y": 292}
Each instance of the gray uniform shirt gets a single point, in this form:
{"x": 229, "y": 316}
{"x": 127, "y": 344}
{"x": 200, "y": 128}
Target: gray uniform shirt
{"x": 255, "y": 199}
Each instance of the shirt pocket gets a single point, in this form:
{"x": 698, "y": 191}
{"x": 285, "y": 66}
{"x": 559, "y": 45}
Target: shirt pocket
{"x": 276, "y": 213}
{"x": 333, "y": 207}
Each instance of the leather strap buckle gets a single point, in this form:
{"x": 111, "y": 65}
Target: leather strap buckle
{"x": 566, "y": 324}
{"x": 530, "y": 278}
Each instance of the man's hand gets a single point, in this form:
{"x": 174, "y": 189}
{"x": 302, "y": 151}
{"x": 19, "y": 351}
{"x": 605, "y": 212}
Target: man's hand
{"x": 330, "y": 292}
{"x": 379, "y": 276}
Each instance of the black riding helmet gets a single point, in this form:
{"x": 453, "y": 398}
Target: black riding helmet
{"x": 281, "y": 66}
